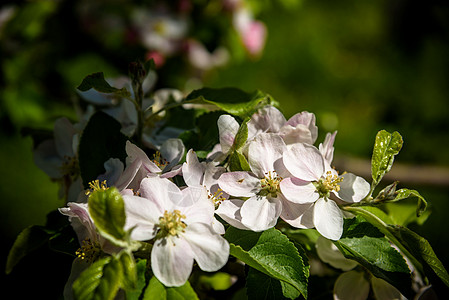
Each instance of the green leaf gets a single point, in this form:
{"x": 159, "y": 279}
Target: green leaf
{"x": 27, "y": 241}
{"x": 403, "y": 213}
{"x": 141, "y": 267}
{"x": 97, "y": 82}
{"x": 238, "y": 162}
{"x": 100, "y": 140}
{"x": 272, "y": 253}
{"x": 358, "y": 227}
{"x": 107, "y": 210}
{"x": 261, "y": 286}
{"x": 157, "y": 291}
{"x": 242, "y": 136}
{"x": 380, "y": 258}
{"x": 231, "y": 100}
{"x": 100, "y": 281}
{"x": 128, "y": 264}
{"x": 149, "y": 65}
{"x": 218, "y": 281}
{"x": 386, "y": 146}
{"x": 406, "y": 193}
{"x": 420, "y": 248}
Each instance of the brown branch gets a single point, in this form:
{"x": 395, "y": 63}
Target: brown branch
{"x": 411, "y": 174}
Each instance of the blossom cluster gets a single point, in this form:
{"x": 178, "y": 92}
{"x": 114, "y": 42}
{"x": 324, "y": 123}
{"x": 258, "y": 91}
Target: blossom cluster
{"x": 181, "y": 203}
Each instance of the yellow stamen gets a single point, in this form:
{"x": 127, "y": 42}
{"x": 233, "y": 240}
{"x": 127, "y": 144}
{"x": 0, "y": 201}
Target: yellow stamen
{"x": 96, "y": 186}
{"x": 216, "y": 197}
{"x": 270, "y": 184}
{"x": 328, "y": 184}
{"x": 89, "y": 251}
{"x": 171, "y": 223}
{"x": 159, "y": 160}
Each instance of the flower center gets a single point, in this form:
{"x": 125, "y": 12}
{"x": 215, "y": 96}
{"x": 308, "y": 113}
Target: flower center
{"x": 216, "y": 197}
{"x": 270, "y": 184}
{"x": 70, "y": 166}
{"x": 328, "y": 184}
{"x": 96, "y": 186}
{"x": 171, "y": 223}
{"x": 89, "y": 251}
{"x": 159, "y": 160}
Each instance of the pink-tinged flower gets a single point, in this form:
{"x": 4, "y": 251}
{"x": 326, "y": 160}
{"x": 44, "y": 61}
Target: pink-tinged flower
{"x": 261, "y": 186}
{"x": 160, "y": 31}
{"x": 252, "y": 33}
{"x": 200, "y": 58}
{"x": 313, "y": 184}
{"x": 180, "y": 224}
{"x": 204, "y": 175}
{"x": 139, "y": 166}
{"x": 300, "y": 128}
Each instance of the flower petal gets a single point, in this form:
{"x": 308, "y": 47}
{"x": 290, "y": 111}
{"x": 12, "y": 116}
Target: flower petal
{"x": 306, "y": 119}
{"x": 351, "y": 285}
{"x": 385, "y": 291}
{"x": 330, "y": 254}
{"x": 164, "y": 193}
{"x": 297, "y": 215}
{"x": 192, "y": 170}
{"x": 263, "y": 152}
{"x": 142, "y": 215}
{"x": 227, "y": 128}
{"x": 328, "y": 219}
{"x": 304, "y": 162}
{"x": 266, "y": 119}
{"x": 135, "y": 153}
{"x": 239, "y": 184}
{"x": 229, "y": 210}
{"x": 172, "y": 260}
{"x": 353, "y": 188}
{"x": 298, "y": 134}
{"x": 298, "y": 191}
{"x": 64, "y": 132}
{"x": 172, "y": 150}
{"x": 196, "y": 206}
{"x": 48, "y": 160}
{"x": 210, "y": 250}
{"x": 260, "y": 213}
{"x": 327, "y": 147}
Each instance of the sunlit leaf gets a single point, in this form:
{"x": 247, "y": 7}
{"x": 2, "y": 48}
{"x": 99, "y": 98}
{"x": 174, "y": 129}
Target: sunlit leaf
{"x": 157, "y": 291}
{"x": 386, "y": 146}
{"x": 272, "y": 253}
{"x": 107, "y": 209}
{"x": 100, "y": 281}
{"x": 231, "y": 100}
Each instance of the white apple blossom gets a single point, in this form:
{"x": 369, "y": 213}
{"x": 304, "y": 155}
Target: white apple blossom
{"x": 58, "y": 158}
{"x": 205, "y": 175}
{"x": 265, "y": 200}
{"x": 139, "y": 166}
{"x": 180, "y": 224}
{"x": 312, "y": 188}
{"x": 300, "y": 128}
{"x": 93, "y": 245}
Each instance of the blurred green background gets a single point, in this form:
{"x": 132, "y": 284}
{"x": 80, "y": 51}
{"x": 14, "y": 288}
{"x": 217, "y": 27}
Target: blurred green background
{"x": 360, "y": 66}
